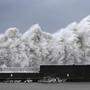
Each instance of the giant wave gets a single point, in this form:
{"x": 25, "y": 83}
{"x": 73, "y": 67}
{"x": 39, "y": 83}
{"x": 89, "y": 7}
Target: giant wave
{"x": 68, "y": 46}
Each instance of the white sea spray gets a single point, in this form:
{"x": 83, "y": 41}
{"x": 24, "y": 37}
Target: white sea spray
{"x": 68, "y": 46}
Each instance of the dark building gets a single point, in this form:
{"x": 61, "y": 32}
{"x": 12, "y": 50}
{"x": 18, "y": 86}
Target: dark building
{"x": 63, "y": 72}
{"x": 71, "y": 72}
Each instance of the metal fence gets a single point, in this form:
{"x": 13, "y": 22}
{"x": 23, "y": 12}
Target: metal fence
{"x": 18, "y": 69}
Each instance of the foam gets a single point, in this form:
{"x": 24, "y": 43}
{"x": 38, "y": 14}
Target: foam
{"x": 70, "y": 45}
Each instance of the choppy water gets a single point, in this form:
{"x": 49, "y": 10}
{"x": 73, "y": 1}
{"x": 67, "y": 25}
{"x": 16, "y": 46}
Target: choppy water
{"x": 45, "y": 86}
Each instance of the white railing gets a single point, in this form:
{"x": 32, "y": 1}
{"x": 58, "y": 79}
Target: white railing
{"x": 18, "y": 69}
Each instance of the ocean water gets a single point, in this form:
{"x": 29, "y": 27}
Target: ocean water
{"x": 46, "y": 86}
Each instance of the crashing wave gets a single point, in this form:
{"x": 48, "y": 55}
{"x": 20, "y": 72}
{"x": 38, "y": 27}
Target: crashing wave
{"x": 70, "y": 45}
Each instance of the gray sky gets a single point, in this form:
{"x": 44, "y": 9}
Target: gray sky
{"x": 50, "y": 14}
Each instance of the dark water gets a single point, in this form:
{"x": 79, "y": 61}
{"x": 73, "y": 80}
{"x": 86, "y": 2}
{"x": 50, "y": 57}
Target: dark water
{"x": 45, "y": 86}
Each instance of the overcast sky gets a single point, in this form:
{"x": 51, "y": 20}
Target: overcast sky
{"x": 50, "y": 14}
